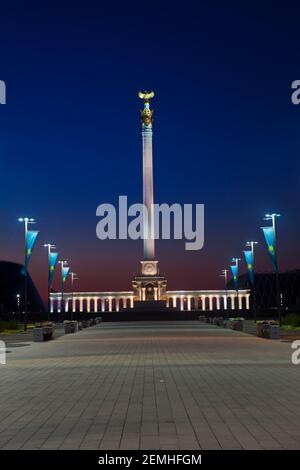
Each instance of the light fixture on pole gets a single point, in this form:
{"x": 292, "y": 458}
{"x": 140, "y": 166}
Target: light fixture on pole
{"x": 49, "y": 246}
{"x": 73, "y": 278}
{"x": 270, "y": 238}
{"x": 18, "y": 297}
{"x": 235, "y": 271}
{"x": 225, "y": 276}
{"x": 63, "y": 280}
{"x": 249, "y": 257}
{"x": 29, "y": 243}
{"x": 273, "y": 218}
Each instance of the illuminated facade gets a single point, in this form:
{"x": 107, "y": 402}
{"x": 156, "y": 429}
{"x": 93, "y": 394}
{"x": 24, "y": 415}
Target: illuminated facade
{"x": 149, "y": 285}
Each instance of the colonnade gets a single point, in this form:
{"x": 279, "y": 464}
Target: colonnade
{"x": 182, "y": 300}
{"x": 209, "y": 300}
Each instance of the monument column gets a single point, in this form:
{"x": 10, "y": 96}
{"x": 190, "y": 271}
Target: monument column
{"x": 146, "y": 116}
{"x": 148, "y": 285}
{"x": 149, "y": 265}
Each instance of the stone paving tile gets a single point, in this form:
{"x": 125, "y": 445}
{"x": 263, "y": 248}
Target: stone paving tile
{"x": 150, "y": 385}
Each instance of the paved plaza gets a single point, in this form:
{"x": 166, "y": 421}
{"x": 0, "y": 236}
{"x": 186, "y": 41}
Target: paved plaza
{"x": 143, "y": 385}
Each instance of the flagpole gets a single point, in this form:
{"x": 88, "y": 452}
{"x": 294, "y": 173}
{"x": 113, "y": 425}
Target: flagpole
{"x": 26, "y": 221}
{"x": 277, "y": 272}
{"x": 224, "y": 274}
{"x": 252, "y": 244}
{"x": 272, "y": 217}
{"x": 63, "y": 263}
{"x": 73, "y": 278}
{"x": 236, "y": 261}
{"x": 49, "y": 246}
{"x": 25, "y": 281}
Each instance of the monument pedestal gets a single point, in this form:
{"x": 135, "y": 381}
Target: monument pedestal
{"x": 149, "y": 286}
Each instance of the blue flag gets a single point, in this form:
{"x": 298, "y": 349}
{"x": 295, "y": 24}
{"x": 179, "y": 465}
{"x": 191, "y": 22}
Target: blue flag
{"x": 269, "y": 234}
{"x": 29, "y": 244}
{"x": 250, "y": 264}
{"x": 234, "y": 271}
{"x": 52, "y": 263}
{"x": 65, "y": 271}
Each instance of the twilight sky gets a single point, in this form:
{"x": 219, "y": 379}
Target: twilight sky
{"x": 226, "y": 133}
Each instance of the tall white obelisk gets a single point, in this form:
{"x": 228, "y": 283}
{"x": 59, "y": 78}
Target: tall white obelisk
{"x": 146, "y": 115}
{"x": 148, "y": 285}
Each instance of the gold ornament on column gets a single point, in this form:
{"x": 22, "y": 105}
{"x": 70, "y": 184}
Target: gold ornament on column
{"x": 146, "y": 113}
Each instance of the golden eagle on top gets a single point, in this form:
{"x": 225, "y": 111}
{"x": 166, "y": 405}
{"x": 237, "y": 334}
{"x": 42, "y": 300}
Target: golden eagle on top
{"x": 146, "y": 95}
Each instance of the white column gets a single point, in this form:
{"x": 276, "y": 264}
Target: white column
{"x": 51, "y": 305}
{"x": 203, "y": 302}
{"x": 155, "y": 293}
{"x": 247, "y": 302}
{"x": 232, "y": 301}
{"x": 95, "y": 304}
{"x": 210, "y": 302}
{"x": 143, "y": 293}
{"x": 81, "y": 305}
{"x": 189, "y": 303}
{"x": 131, "y": 302}
{"x": 110, "y": 304}
{"x": 181, "y": 303}
{"x": 148, "y": 190}
{"x": 175, "y": 302}
{"x": 88, "y": 304}
{"x": 66, "y": 305}
{"x": 218, "y": 303}
{"x": 225, "y": 302}
{"x": 59, "y": 305}
{"x": 117, "y": 305}
{"x": 74, "y": 304}
{"x": 240, "y": 302}
{"x": 102, "y": 305}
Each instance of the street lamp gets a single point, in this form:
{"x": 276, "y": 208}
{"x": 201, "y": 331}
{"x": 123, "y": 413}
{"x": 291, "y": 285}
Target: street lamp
{"x": 252, "y": 244}
{"x": 73, "y": 278}
{"x": 224, "y": 275}
{"x": 18, "y": 297}
{"x": 273, "y": 217}
{"x": 49, "y": 246}
{"x": 26, "y": 221}
{"x": 63, "y": 264}
{"x": 236, "y": 261}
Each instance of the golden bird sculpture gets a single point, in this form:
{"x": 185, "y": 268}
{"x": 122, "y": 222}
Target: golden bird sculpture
{"x": 146, "y": 95}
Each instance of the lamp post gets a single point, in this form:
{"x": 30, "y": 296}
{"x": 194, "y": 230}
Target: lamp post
{"x": 63, "y": 264}
{"x": 26, "y": 221}
{"x": 273, "y": 217}
{"x": 252, "y": 244}
{"x": 49, "y": 246}
{"x": 18, "y": 297}
{"x": 236, "y": 261}
{"x": 224, "y": 275}
{"x": 73, "y": 278}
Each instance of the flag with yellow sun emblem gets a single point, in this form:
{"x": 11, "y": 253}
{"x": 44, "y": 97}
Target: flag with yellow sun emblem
{"x": 250, "y": 265}
{"x": 234, "y": 272}
{"x": 52, "y": 263}
{"x": 269, "y": 234}
{"x": 30, "y": 241}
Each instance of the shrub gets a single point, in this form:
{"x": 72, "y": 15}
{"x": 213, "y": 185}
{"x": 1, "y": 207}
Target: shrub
{"x": 8, "y": 325}
{"x": 292, "y": 319}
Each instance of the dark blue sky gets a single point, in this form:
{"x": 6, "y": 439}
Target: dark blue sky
{"x": 225, "y": 133}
